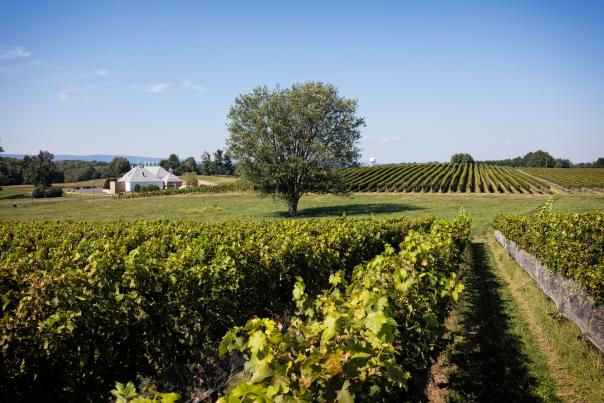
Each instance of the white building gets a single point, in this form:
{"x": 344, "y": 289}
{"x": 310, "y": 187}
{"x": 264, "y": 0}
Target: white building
{"x": 145, "y": 176}
{"x": 170, "y": 180}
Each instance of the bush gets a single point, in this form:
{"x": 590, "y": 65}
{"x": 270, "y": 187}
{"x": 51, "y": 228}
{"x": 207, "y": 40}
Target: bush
{"x": 146, "y": 189}
{"x": 237, "y": 186}
{"x": 38, "y": 192}
{"x": 54, "y": 192}
{"x": 189, "y": 179}
{"x": 41, "y": 191}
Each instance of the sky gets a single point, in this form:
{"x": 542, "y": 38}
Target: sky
{"x": 432, "y": 78}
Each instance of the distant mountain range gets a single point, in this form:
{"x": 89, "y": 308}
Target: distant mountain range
{"x": 94, "y": 157}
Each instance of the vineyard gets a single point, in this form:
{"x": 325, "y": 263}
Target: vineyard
{"x": 86, "y": 304}
{"x": 570, "y": 267}
{"x": 444, "y": 178}
{"x": 570, "y": 244}
{"x": 571, "y": 177}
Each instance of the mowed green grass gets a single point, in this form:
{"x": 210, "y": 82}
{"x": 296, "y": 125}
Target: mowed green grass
{"x": 24, "y": 191}
{"x": 218, "y": 179}
{"x": 249, "y": 206}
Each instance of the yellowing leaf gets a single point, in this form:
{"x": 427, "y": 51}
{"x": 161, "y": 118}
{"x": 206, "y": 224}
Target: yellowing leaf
{"x": 261, "y": 372}
{"x": 332, "y": 364}
{"x": 344, "y": 396}
{"x": 329, "y": 326}
{"x": 256, "y": 342}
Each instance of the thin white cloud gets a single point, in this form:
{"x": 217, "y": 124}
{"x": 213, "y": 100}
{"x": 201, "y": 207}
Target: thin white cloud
{"x": 389, "y": 139}
{"x": 190, "y": 85}
{"x": 74, "y": 94}
{"x": 103, "y": 73}
{"x": 158, "y": 88}
{"x": 14, "y": 52}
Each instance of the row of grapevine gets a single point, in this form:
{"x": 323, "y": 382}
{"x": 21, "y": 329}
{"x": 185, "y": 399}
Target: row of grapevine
{"x": 86, "y": 303}
{"x": 369, "y": 336}
{"x": 572, "y": 178}
{"x": 567, "y": 262}
{"x": 237, "y": 186}
{"x": 571, "y": 244}
{"x": 456, "y": 178}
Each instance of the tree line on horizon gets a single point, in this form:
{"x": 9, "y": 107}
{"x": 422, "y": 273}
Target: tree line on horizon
{"x": 41, "y": 169}
{"x": 543, "y": 159}
{"x": 533, "y": 159}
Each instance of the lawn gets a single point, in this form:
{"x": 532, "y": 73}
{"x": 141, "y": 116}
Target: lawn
{"x": 249, "y": 206}
{"x": 24, "y": 191}
{"x": 218, "y": 179}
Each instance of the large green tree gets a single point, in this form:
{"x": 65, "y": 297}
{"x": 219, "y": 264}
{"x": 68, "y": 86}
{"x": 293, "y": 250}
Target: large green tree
{"x": 118, "y": 166}
{"x": 292, "y": 141}
{"x": 188, "y": 165}
{"x": 462, "y": 158}
{"x": 206, "y": 167}
{"x": 173, "y": 163}
{"x": 540, "y": 159}
{"x": 39, "y": 169}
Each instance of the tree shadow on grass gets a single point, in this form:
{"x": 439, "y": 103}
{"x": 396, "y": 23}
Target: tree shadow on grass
{"x": 486, "y": 358}
{"x": 351, "y": 210}
{"x": 16, "y": 196}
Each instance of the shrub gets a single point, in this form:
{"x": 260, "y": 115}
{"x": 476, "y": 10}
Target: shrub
{"x": 54, "y": 192}
{"x": 189, "y": 179}
{"x": 41, "y": 191}
{"x": 38, "y": 192}
{"x": 146, "y": 189}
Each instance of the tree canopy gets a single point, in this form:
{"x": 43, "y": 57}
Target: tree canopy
{"x": 173, "y": 163}
{"x": 118, "y": 166}
{"x": 462, "y": 158}
{"x": 39, "y": 169}
{"x": 292, "y": 141}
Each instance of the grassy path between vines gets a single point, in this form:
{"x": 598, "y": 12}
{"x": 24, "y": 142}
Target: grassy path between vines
{"x": 506, "y": 341}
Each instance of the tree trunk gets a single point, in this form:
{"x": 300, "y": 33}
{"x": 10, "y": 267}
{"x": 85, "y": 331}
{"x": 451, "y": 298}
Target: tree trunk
{"x": 292, "y": 205}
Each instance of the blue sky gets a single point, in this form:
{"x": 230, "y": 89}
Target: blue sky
{"x": 495, "y": 79}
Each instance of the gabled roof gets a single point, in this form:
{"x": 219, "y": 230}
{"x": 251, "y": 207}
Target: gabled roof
{"x": 170, "y": 177}
{"x": 158, "y": 171}
{"x": 139, "y": 174}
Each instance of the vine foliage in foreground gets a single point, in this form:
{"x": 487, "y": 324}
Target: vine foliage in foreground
{"x": 369, "y": 338}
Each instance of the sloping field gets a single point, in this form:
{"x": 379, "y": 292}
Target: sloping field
{"x": 571, "y": 177}
{"x": 444, "y": 178}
